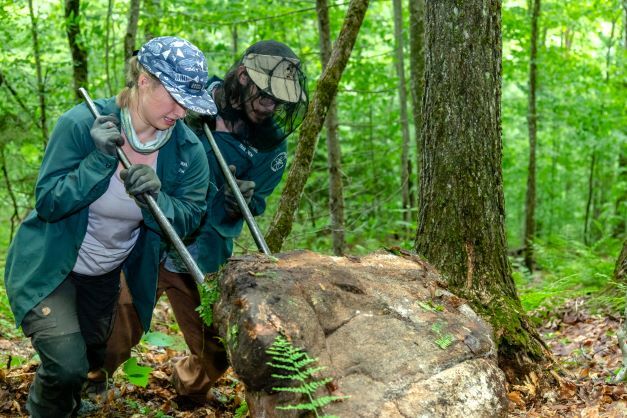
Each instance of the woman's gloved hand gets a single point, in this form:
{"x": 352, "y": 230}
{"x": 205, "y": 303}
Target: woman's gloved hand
{"x": 246, "y": 187}
{"x": 139, "y": 179}
{"x": 106, "y": 135}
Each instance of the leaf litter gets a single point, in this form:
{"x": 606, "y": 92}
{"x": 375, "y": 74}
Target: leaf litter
{"x": 158, "y": 399}
{"x": 584, "y": 346}
{"x": 586, "y": 351}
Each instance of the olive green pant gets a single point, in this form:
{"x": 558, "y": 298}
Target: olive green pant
{"x": 195, "y": 374}
{"x": 69, "y": 330}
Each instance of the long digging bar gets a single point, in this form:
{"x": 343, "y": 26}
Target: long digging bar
{"x": 163, "y": 222}
{"x": 248, "y": 216}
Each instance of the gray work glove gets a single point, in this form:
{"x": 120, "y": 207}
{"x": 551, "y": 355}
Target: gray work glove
{"x": 246, "y": 187}
{"x": 140, "y": 179}
{"x": 106, "y": 134}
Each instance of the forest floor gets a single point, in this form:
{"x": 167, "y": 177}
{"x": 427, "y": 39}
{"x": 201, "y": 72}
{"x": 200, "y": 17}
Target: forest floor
{"x": 583, "y": 345}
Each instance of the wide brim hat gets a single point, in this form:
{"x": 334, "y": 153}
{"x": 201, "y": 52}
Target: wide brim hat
{"x": 182, "y": 69}
{"x": 276, "y": 75}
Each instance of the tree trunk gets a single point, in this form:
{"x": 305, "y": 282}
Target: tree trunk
{"x": 334, "y": 151}
{"x": 152, "y": 13}
{"x": 461, "y": 227}
{"x": 234, "y": 46}
{"x": 620, "y": 276}
{"x": 77, "y": 47}
{"x": 108, "y": 46}
{"x": 620, "y": 271}
{"x": 131, "y": 32}
{"x": 323, "y": 96}
{"x": 620, "y": 208}
{"x": 532, "y": 117}
{"x": 624, "y": 25}
{"x": 374, "y": 203}
{"x": 18, "y": 99}
{"x": 417, "y": 70}
{"x": 608, "y": 54}
{"x": 402, "y": 98}
{"x": 15, "y": 216}
{"x": 41, "y": 88}
{"x": 586, "y": 221}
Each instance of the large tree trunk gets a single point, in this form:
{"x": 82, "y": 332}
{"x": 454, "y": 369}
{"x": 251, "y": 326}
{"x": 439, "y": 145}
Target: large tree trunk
{"x": 417, "y": 70}
{"x": 334, "y": 151}
{"x": 532, "y": 117}
{"x": 41, "y": 94}
{"x": 131, "y": 32}
{"x": 461, "y": 226}
{"x": 77, "y": 47}
{"x": 323, "y": 96}
{"x": 402, "y": 98}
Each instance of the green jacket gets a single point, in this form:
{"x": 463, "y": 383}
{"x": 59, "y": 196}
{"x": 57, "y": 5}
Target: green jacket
{"x": 74, "y": 174}
{"x": 212, "y": 243}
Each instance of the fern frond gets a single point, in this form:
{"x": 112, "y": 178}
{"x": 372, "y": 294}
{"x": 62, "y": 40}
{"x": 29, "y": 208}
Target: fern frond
{"x": 297, "y": 366}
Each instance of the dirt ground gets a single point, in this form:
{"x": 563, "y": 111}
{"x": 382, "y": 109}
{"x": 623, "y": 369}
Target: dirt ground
{"x": 584, "y": 346}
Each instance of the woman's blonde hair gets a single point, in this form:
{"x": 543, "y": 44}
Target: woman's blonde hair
{"x": 135, "y": 69}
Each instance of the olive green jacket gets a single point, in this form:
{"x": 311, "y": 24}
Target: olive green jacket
{"x": 74, "y": 174}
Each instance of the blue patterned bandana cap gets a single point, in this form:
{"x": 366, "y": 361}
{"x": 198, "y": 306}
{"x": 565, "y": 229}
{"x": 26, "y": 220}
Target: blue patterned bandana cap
{"x": 182, "y": 69}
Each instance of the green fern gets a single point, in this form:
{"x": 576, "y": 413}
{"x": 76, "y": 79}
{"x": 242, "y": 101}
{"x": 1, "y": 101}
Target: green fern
{"x": 296, "y": 365}
{"x": 209, "y": 294}
{"x": 241, "y": 411}
{"x": 444, "y": 340}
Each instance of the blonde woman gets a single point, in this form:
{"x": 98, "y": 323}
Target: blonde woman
{"x": 63, "y": 268}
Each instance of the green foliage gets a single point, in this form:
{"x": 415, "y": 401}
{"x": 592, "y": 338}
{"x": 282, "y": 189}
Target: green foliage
{"x": 145, "y": 410}
{"x": 580, "y": 102}
{"x": 294, "y": 364}
{"x": 7, "y": 322}
{"x": 231, "y": 335}
{"x": 241, "y": 411}
{"x": 568, "y": 269}
{"x": 9, "y": 361}
{"x": 158, "y": 339}
{"x": 209, "y": 294}
{"x": 581, "y": 119}
{"x": 443, "y": 340}
{"x": 430, "y": 306}
{"x": 136, "y": 374}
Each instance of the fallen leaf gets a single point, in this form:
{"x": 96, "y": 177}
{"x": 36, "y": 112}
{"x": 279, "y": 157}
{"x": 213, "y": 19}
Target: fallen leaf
{"x": 590, "y": 412}
{"x": 516, "y": 397}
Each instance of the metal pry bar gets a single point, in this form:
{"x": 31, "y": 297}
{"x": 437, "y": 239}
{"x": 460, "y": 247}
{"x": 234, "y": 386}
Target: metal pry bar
{"x": 241, "y": 202}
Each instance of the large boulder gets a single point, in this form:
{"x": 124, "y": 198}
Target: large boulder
{"x": 385, "y": 328}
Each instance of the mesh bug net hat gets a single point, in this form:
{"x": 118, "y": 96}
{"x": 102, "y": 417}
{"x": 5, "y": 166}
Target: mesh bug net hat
{"x": 276, "y": 71}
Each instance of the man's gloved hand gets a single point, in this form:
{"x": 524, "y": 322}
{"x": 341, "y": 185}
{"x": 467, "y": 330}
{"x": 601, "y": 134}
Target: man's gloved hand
{"x": 106, "y": 134}
{"x": 140, "y": 179}
{"x": 246, "y": 187}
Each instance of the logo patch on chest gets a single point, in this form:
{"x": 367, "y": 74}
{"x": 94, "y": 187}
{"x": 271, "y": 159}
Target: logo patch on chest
{"x": 279, "y": 162}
